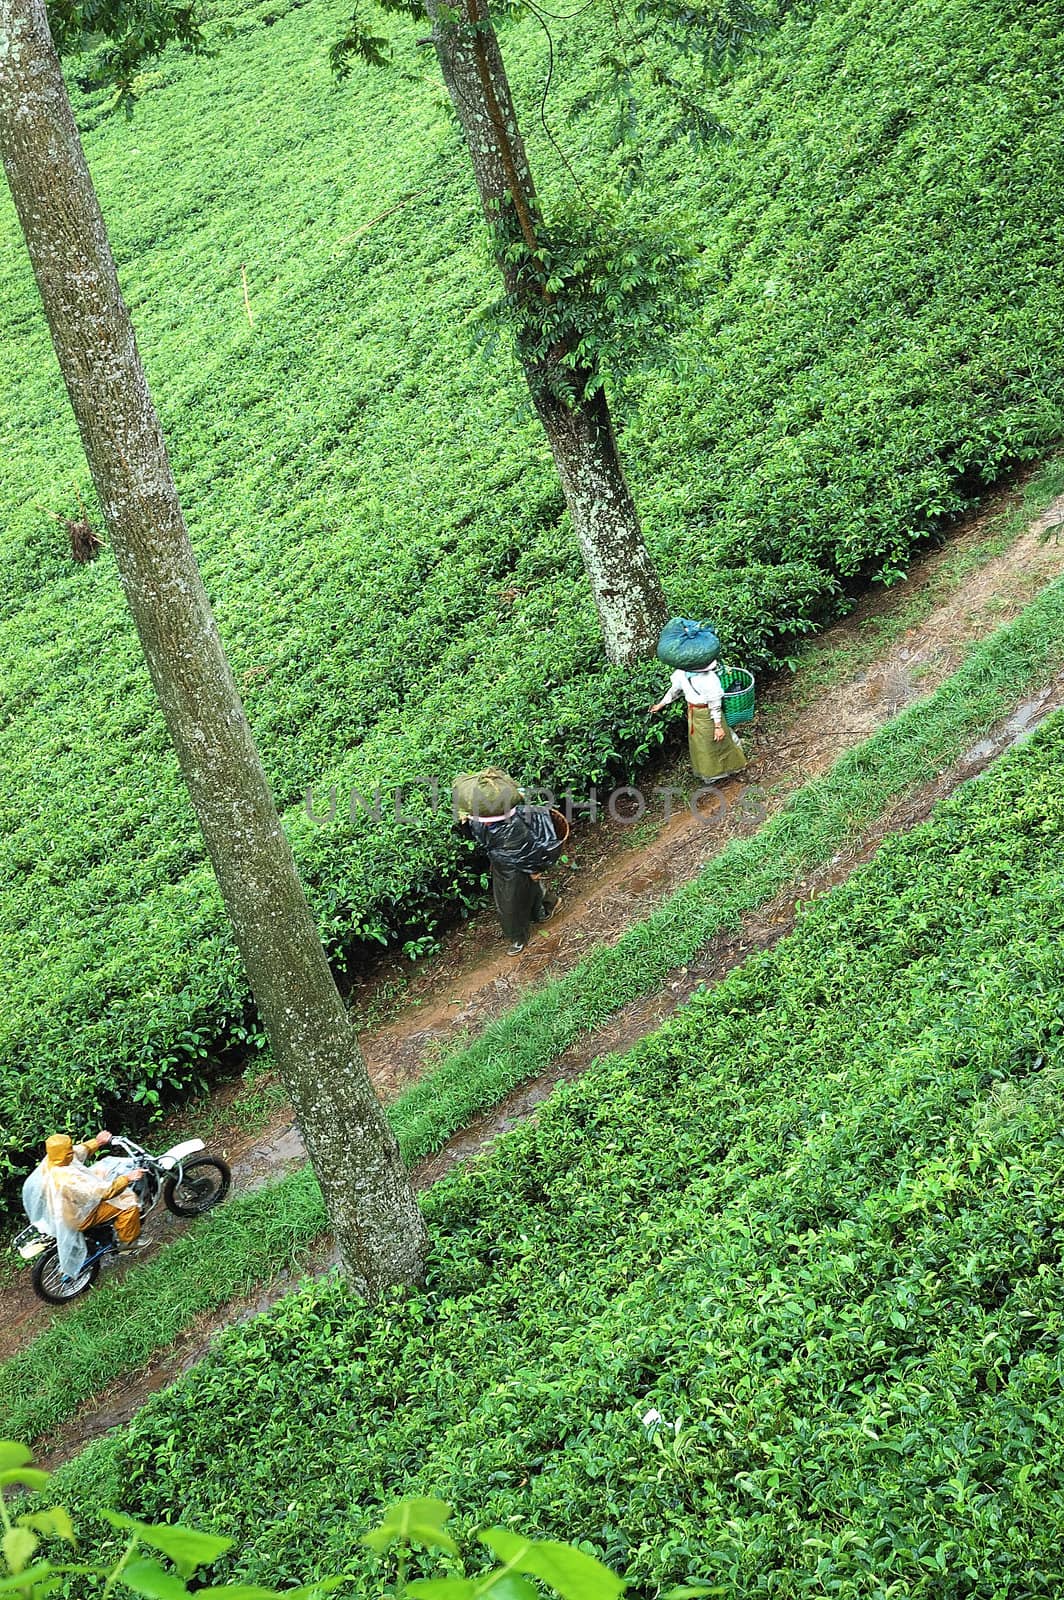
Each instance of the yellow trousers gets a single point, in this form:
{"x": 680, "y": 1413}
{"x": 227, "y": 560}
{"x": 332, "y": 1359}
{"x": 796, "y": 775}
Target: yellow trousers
{"x": 125, "y": 1218}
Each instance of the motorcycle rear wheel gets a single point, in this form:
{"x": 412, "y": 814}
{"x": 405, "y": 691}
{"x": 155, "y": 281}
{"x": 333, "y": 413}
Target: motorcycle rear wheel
{"x": 51, "y": 1283}
{"x": 203, "y": 1183}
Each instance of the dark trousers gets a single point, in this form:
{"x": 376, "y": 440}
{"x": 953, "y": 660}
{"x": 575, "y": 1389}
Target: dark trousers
{"x": 519, "y": 902}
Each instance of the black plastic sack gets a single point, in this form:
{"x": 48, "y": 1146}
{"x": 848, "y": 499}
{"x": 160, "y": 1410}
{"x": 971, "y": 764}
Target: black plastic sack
{"x": 687, "y": 645}
{"x": 525, "y": 842}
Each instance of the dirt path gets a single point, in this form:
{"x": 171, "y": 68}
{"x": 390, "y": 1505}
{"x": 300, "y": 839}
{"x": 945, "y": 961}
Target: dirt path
{"x": 620, "y": 874}
{"x": 618, "y": 882}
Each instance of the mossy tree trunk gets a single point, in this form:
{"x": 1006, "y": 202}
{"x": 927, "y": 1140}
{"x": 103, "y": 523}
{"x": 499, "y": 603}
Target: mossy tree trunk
{"x": 372, "y": 1209}
{"x": 573, "y": 410}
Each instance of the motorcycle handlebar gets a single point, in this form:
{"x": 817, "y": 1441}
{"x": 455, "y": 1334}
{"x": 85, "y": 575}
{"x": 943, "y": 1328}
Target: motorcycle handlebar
{"x": 127, "y": 1145}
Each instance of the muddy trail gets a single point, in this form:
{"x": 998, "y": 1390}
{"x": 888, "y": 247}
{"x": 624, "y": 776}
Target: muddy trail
{"x": 412, "y": 1014}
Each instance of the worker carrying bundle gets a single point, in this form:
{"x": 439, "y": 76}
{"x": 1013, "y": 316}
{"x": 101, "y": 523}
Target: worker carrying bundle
{"x": 520, "y": 840}
{"x": 693, "y": 649}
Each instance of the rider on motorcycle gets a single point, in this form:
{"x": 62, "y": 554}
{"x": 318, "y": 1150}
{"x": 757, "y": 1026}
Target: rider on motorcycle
{"x": 63, "y": 1196}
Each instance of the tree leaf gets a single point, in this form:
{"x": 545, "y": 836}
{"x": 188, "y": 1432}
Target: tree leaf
{"x": 32, "y": 1477}
{"x": 186, "y": 1547}
{"x": 413, "y": 1521}
{"x": 29, "y": 1579}
{"x": 13, "y": 1455}
{"x": 508, "y": 1586}
{"x": 573, "y": 1574}
{"x": 54, "y": 1522}
{"x": 148, "y": 1578}
{"x": 18, "y": 1545}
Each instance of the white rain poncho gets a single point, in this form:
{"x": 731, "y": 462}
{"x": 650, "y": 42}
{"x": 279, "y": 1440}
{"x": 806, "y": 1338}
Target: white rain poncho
{"x": 60, "y": 1200}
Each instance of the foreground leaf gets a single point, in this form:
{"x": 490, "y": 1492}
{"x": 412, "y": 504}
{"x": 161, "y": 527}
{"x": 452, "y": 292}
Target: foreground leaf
{"x": 186, "y": 1547}
{"x": 54, "y": 1523}
{"x": 413, "y": 1521}
{"x": 148, "y": 1578}
{"x": 32, "y": 1477}
{"x": 573, "y": 1574}
{"x": 18, "y": 1545}
{"x": 39, "y": 1578}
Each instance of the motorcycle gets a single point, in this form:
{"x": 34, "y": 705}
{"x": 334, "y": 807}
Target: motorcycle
{"x": 188, "y": 1183}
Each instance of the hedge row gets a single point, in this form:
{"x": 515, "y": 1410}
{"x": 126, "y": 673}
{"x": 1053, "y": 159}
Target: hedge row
{"x": 875, "y": 333}
{"x": 772, "y": 1302}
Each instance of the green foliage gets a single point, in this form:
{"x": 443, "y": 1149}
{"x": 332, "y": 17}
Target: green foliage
{"x": 602, "y": 296}
{"x": 581, "y": 288}
{"x": 672, "y": 54}
{"x": 877, "y": 326}
{"x": 120, "y": 36}
{"x": 259, "y": 1234}
{"x": 771, "y": 1304}
{"x": 28, "y": 1576}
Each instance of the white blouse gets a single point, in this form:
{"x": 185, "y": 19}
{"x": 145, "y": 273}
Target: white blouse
{"x": 698, "y": 689}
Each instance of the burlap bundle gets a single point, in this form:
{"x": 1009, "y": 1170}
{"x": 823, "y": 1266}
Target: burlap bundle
{"x": 491, "y": 793}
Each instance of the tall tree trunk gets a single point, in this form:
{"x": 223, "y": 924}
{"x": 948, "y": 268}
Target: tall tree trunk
{"x": 624, "y": 582}
{"x": 372, "y": 1209}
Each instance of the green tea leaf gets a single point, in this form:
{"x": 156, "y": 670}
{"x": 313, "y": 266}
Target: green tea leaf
{"x": 54, "y": 1522}
{"x": 18, "y": 1545}
{"x": 148, "y": 1578}
{"x": 413, "y": 1521}
{"x": 694, "y": 1591}
{"x": 573, "y": 1574}
{"x": 39, "y": 1578}
{"x": 32, "y": 1477}
{"x": 508, "y": 1586}
{"x": 186, "y": 1547}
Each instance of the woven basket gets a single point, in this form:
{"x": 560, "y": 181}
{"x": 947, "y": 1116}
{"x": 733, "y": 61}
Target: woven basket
{"x": 561, "y": 825}
{"x": 738, "y": 686}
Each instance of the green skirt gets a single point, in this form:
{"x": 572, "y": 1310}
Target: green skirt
{"x": 711, "y": 758}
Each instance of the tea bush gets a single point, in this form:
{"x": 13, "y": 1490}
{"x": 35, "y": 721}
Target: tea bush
{"x": 876, "y": 334}
{"x": 772, "y": 1302}
{"x": 28, "y": 1573}
{"x": 266, "y": 1232}
{"x": 259, "y": 1234}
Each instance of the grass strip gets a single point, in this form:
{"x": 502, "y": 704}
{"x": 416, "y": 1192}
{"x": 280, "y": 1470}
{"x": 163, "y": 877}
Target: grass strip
{"x": 260, "y": 1234}
{"x": 134, "y": 1315}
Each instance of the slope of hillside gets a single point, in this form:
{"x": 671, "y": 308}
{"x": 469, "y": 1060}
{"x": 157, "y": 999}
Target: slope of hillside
{"x": 771, "y": 1301}
{"x": 876, "y": 333}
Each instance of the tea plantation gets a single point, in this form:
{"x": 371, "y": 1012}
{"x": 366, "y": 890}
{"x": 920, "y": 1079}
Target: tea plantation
{"x": 874, "y": 335}
{"x": 773, "y": 1302}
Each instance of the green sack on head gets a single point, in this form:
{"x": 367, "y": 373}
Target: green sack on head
{"x": 491, "y": 793}
{"x": 687, "y": 644}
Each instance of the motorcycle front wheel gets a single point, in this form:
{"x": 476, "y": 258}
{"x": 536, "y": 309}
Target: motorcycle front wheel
{"x": 204, "y": 1181}
{"x": 52, "y": 1284}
